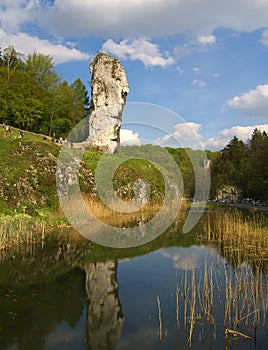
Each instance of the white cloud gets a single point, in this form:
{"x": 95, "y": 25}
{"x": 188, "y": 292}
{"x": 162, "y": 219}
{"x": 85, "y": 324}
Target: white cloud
{"x": 206, "y": 39}
{"x": 190, "y": 135}
{"x": 129, "y": 138}
{"x": 27, "y": 44}
{"x": 139, "y": 49}
{"x": 15, "y": 13}
{"x": 179, "y": 70}
{"x": 253, "y": 103}
{"x": 215, "y": 75}
{"x": 264, "y": 37}
{"x": 152, "y": 17}
{"x": 184, "y": 135}
{"x": 199, "y": 83}
{"x": 196, "y": 70}
{"x": 224, "y": 137}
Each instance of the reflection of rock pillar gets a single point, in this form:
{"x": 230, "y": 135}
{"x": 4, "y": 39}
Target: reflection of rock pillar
{"x": 104, "y": 314}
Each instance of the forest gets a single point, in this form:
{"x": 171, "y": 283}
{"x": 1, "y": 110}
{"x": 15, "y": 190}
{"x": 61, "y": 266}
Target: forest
{"x": 243, "y": 165}
{"x": 35, "y": 98}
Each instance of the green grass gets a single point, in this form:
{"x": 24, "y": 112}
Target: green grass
{"x": 26, "y": 162}
{"x": 128, "y": 173}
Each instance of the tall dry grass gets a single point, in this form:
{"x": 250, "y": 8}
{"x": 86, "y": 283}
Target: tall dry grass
{"x": 20, "y": 229}
{"x": 237, "y": 233}
{"x": 228, "y": 301}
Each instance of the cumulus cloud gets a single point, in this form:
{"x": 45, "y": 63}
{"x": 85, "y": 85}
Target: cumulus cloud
{"x": 253, "y": 103}
{"x": 206, "y": 39}
{"x": 242, "y": 132}
{"x": 196, "y": 70}
{"x": 139, "y": 49}
{"x": 189, "y": 134}
{"x": 15, "y": 13}
{"x": 129, "y": 138}
{"x": 152, "y": 17}
{"x": 185, "y": 134}
{"x": 198, "y": 83}
{"x": 27, "y": 44}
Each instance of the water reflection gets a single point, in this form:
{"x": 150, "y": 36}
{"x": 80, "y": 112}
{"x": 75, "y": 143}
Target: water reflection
{"x": 76, "y": 295}
{"x": 104, "y": 319}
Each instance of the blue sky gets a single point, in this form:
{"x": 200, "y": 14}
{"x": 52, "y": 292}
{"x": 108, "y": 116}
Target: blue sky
{"x": 204, "y": 60}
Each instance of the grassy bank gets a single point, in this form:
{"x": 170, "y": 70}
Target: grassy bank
{"x": 27, "y": 172}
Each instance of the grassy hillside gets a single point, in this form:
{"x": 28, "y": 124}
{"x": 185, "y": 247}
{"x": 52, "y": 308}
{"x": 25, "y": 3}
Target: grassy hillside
{"x": 28, "y": 172}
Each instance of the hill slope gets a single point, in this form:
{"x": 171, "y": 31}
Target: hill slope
{"x": 28, "y": 172}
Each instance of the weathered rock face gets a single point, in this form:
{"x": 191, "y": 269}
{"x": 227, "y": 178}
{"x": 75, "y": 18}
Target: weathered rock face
{"x": 228, "y": 193}
{"x": 104, "y": 314}
{"x": 109, "y": 89}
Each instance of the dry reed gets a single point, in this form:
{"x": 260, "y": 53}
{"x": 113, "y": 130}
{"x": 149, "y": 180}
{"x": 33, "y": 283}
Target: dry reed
{"x": 224, "y": 298}
{"x": 238, "y": 235}
{"x": 20, "y": 229}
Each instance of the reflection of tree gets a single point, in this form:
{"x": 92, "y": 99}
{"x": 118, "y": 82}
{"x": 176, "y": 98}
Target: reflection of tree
{"x": 30, "y": 312}
{"x": 104, "y": 314}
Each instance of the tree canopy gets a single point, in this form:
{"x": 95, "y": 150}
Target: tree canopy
{"x": 244, "y": 165}
{"x": 34, "y": 97}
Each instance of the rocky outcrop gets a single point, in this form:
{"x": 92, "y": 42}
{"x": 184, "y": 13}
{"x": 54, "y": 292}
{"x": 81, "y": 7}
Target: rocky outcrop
{"x": 109, "y": 89}
{"x": 228, "y": 193}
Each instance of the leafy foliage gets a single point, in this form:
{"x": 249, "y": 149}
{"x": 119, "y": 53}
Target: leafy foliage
{"x": 34, "y": 97}
{"x": 244, "y": 165}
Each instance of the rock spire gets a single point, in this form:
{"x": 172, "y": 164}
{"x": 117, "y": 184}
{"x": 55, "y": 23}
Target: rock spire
{"x": 109, "y": 89}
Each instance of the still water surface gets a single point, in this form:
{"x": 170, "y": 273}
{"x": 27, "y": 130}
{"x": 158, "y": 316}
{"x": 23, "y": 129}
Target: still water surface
{"x": 171, "y": 294}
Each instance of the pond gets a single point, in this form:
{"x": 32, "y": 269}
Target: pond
{"x": 174, "y": 293}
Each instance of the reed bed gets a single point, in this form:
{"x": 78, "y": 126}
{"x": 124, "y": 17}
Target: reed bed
{"x": 232, "y": 302}
{"x": 245, "y": 236}
{"x": 23, "y": 229}
{"x": 20, "y": 229}
{"x": 96, "y": 208}
{"x": 119, "y": 219}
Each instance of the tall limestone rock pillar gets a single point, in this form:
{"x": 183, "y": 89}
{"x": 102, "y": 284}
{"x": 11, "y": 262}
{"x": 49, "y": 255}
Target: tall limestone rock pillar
{"x": 109, "y": 89}
{"x": 104, "y": 312}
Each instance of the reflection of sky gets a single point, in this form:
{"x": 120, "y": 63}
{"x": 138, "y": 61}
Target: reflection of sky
{"x": 145, "y": 336}
{"x": 144, "y": 278}
{"x": 66, "y": 337}
{"x": 187, "y": 258}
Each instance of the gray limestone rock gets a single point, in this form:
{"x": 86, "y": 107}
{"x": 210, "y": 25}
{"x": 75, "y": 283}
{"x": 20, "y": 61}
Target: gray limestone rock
{"x": 109, "y": 89}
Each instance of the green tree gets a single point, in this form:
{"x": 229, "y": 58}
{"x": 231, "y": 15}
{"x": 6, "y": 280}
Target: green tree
{"x": 12, "y": 60}
{"x": 257, "y": 166}
{"x": 33, "y": 96}
{"x": 228, "y": 167}
{"x": 41, "y": 68}
{"x": 24, "y": 107}
{"x": 81, "y": 94}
